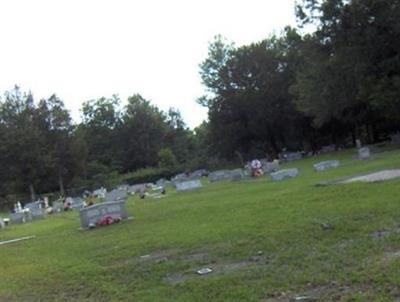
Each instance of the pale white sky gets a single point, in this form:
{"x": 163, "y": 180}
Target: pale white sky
{"x": 84, "y": 49}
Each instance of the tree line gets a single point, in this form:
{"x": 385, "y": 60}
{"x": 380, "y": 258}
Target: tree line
{"x": 295, "y": 90}
{"x": 302, "y": 91}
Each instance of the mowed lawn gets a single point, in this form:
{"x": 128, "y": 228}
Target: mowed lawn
{"x": 264, "y": 240}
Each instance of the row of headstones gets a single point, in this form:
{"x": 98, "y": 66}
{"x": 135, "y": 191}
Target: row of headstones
{"x": 238, "y": 174}
{"x": 117, "y": 209}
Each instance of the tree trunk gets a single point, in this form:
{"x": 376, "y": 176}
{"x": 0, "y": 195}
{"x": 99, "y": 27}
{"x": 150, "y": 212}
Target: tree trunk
{"x": 274, "y": 146}
{"x": 61, "y": 184}
{"x": 32, "y": 191}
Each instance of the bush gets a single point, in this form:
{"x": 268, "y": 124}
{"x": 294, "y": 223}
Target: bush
{"x": 149, "y": 175}
{"x": 167, "y": 159}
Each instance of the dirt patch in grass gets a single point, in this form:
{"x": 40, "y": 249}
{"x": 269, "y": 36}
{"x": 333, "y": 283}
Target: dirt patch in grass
{"x": 385, "y": 233}
{"x": 218, "y": 268}
{"x": 331, "y": 292}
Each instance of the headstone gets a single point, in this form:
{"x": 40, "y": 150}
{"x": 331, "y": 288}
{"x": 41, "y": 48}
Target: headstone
{"x": 123, "y": 187}
{"x": 291, "y": 156}
{"x": 328, "y": 149}
{"x": 76, "y": 202}
{"x": 91, "y": 215}
{"x": 179, "y": 177}
{"x": 137, "y": 188}
{"x": 161, "y": 182}
{"x": 37, "y": 213}
{"x": 116, "y": 195}
{"x": 2, "y": 224}
{"x": 237, "y": 174}
{"x": 198, "y": 173}
{"x": 33, "y": 205}
{"x": 325, "y": 165}
{"x": 100, "y": 193}
{"x": 395, "y": 138}
{"x": 269, "y": 167}
{"x": 283, "y": 174}
{"x": 219, "y": 175}
{"x": 20, "y": 217}
{"x": 188, "y": 185}
{"x": 58, "y": 206}
{"x": 358, "y": 144}
{"x": 364, "y": 153}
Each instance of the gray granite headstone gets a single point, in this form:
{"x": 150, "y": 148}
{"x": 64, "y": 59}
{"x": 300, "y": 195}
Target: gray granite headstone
{"x": 33, "y": 205}
{"x": 20, "y": 217}
{"x": 237, "y": 174}
{"x": 198, "y": 173}
{"x": 283, "y": 174}
{"x": 37, "y": 213}
{"x": 57, "y": 206}
{"x": 77, "y": 202}
{"x": 269, "y": 167}
{"x": 291, "y": 156}
{"x": 161, "y": 182}
{"x": 325, "y": 165}
{"x": 358, "y": 144}
{"x": 179, "y": 177}
{"x": 364, "y": 153}
{"x": 137, "y": 188}
{"x": 395, "y": 138}
{"x": 2, "y": 224}
{"x": 123, "y": 187}
{"x": 116, "y": 195}
{"x": 91, "y": 215}
{"x": 219, "y": 175}
{"x": 328, "y": 149}
{"x": 188, "y": 185}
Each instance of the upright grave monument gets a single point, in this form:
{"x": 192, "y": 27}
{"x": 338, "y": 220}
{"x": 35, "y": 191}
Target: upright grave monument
{"x": 219, "y": 175}
{"x": 90, "y": 216}
{"x": 364, "y": 153}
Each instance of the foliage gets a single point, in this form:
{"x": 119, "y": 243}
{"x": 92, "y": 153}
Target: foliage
{"x": 166, "y": 159}
{"x": 147, "y": 175}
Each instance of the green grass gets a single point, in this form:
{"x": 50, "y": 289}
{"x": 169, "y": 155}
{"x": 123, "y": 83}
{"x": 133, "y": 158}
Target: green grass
{"x": 223, "y": 226}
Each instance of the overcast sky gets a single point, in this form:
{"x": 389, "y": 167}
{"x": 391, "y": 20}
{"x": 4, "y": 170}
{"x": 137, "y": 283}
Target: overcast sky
{"x": 85, "y": 49}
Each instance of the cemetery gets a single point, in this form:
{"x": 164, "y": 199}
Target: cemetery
{"x": 183, "y": 239}
{"x": 146, "y": 156}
